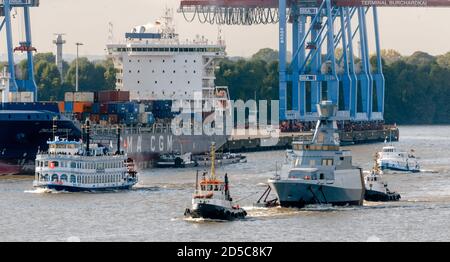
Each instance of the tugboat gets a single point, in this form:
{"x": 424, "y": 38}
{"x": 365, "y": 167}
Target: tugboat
{"x": 212, "y": 198}
{"x": 72, "y": 166}
{"x": 392, "y": 159}
{"x": 321, "y": 172}
{"x": 376, "y": 189}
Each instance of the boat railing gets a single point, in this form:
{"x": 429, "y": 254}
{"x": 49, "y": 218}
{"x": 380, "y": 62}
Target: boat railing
{"x": 155, "y": 128}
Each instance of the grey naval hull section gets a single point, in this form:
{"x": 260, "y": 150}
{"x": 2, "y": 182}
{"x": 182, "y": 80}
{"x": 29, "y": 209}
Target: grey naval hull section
{"x": 301, "y": 194}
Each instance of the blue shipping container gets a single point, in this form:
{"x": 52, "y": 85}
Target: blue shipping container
{"x": 96, "y": 108}
{"x": 68, "y": 107}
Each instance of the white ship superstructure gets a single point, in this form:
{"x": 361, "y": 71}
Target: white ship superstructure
{"x": 155, "y": 64}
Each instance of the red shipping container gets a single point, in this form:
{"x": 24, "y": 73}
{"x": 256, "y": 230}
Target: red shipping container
{"x": 103, "y": 108}
{"x": 113, "y": 96}
{"x": 95, "y": 118}
{"x": 113, "y": 119}
{"x": 82, "y": 107}
{"x": 61, "y": 107}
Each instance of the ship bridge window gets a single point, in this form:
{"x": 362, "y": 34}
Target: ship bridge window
{"x": 327, "y": 162}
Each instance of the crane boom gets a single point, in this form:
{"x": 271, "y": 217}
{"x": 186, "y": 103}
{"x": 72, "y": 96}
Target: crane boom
{"x": 338, "y": 3}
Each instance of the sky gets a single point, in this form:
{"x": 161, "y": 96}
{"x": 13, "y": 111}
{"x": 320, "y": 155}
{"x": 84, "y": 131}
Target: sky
{"x": 404, "y": 29}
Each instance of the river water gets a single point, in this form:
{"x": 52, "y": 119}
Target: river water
{"x": 154, "y": 210}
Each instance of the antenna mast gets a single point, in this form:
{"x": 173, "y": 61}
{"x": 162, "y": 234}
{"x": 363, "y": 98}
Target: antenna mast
{"x": 213, "y": 161}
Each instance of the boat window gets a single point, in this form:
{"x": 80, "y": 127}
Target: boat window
{"x": 46, "y": 177}
{"x": 322, "y": 176}
{"x": 46, "y": 163}
{"x": 55, "y": 178}
{"x": 78, "y": 180}
{"x": 327, "y": 162}
{"x": 64, "y": 177}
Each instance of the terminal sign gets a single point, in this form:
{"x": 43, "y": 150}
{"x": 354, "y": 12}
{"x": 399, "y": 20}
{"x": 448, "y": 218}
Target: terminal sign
{"x": 308, "y": 11}
{"x": 308, "y": 78}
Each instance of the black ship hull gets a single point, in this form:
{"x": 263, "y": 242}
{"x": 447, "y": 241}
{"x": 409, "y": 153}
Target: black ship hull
{"x": 214, "y": 212}
{"x": 20, "y": 140}
{"x": 376, "y": 196}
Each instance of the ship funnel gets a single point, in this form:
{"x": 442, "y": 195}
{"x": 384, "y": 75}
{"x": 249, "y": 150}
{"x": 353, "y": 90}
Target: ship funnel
{"x": 327, "y": 109}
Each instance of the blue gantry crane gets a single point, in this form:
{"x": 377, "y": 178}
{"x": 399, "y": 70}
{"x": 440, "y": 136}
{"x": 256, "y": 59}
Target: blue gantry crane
{"x": 319, "y": 28}
{"x": 28, "y": 84}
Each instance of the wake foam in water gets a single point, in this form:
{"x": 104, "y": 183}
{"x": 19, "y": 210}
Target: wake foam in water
{"x": 202, "y": 220}
{"x": 43, "y": 191}
{"x": 145, "y": 188}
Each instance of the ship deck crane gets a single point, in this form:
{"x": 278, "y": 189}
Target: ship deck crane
{"x": 319, "y": 27}
{"x": 28, "y": 84}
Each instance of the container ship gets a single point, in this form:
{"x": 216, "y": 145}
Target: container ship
{"x": 25, "y": 129}
{"x": 159, "y": 79}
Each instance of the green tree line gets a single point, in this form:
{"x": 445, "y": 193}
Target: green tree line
{"x": 417, "y": 86}
{"x": 93, "y": 76}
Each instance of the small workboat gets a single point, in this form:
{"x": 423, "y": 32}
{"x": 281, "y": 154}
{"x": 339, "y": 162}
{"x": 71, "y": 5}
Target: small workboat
{"x": 212, "y": 199}
{"x": 390, "y": 158}
{"x": 73, "y": 166}
{"x": 376, "y": 188}
{"x": 220, "y": 159}
{"x": 176, "y": 160}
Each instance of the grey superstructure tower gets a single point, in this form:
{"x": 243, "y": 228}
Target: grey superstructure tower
{"x": 59, "y": 42}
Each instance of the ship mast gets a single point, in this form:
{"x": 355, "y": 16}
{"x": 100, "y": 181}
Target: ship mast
{"x": 213, "y": 161}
